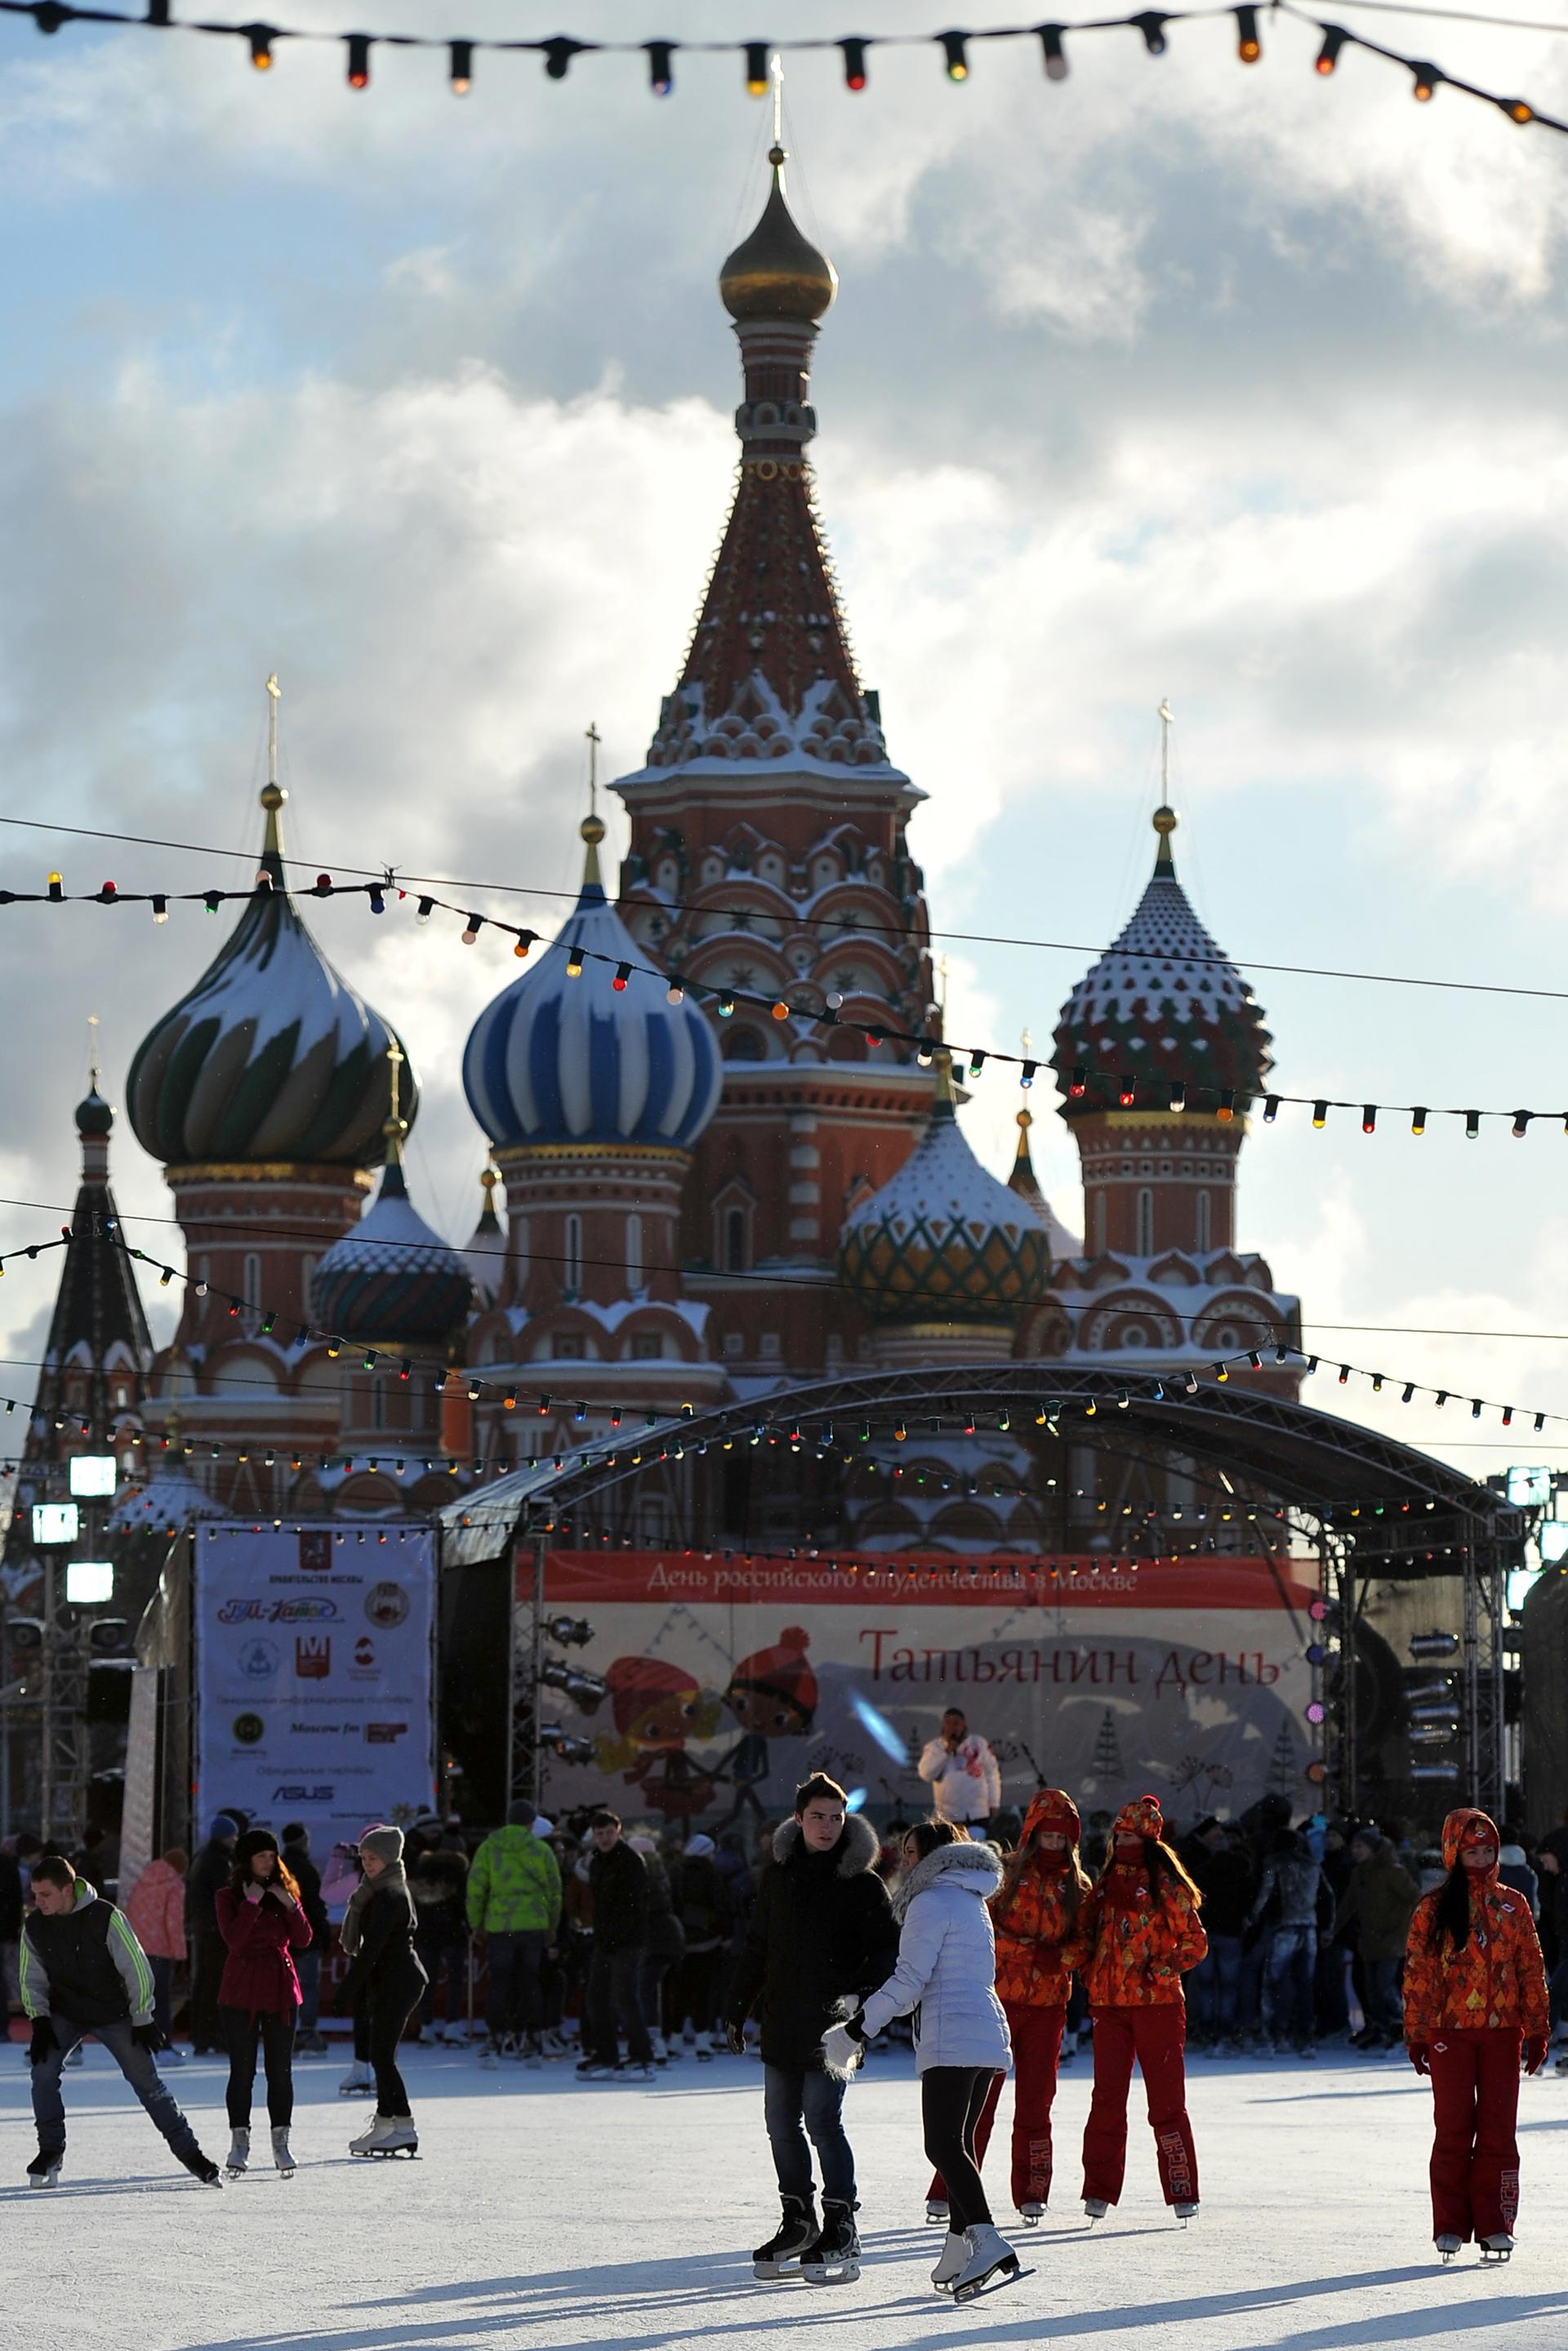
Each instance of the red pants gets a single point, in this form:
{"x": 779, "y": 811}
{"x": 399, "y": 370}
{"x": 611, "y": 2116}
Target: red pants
{"x": 1475, "y": 2155}
{"x": 1154, "y": 2036}
{"x": 1036, "y": 2046}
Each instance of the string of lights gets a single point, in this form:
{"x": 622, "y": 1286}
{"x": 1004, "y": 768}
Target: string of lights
{"x": 1093, "y": 1087}
{"x": 952, "y": 49}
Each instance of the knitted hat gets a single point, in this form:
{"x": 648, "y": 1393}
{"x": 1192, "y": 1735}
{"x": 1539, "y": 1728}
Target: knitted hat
{"x": 521, "y": 1814}
{"x": 781, "y": 1672}
{"x": 634, "y": 1682}
{"x": 1142, "y": 1818}
{"x": 1054, "y": 1811}
{"x": 386, "y": 1844}
{"x": 253, "y": 1841}
{"x": 699, "y": 1847}
{"x": 223, "y": 1825}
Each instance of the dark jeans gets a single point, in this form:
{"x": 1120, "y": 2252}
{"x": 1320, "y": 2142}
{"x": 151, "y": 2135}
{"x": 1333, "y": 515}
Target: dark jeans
{"x": 514, "y": 2004}
{"x": 650, "y": 1990}
{"x": 208, "y": 1953}
{"x": 613, "y": 1995}
{"x": 952, "y": 2099}
{"x": 1288, "y": 1983}
{"x": 274, "y": 2029}
{"x": 136, "y": 2065}
{"x": 444, "y": 1955}
{"x": 1214, "y": 1988}
{"x": 794, "y": 2103}
{"x": 1382, "y": 2001}
{"x": 385, "y": 2012}
{"x": 162, "y": 1994}
{"x": 307, "y": 1967}
{"x": 693, "y": 1991}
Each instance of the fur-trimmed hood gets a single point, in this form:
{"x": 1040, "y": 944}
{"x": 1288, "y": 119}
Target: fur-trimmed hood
{"x": 858, "y": 1847}
{"x": 976, "y": 1868}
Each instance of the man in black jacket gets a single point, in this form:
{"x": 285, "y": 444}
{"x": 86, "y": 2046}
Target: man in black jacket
{"x": 312, "y": 2041}
{"x": 619, "y": 1884}
{"x": 208, "y": 1950}
{"x": 84, "y": 1971}
{"x": 822, "y": 1935}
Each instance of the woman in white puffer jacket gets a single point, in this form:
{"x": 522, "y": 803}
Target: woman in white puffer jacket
{"x": 946, "y": 1974}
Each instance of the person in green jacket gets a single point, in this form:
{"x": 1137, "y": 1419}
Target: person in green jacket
{"x": 514, "y": 1905}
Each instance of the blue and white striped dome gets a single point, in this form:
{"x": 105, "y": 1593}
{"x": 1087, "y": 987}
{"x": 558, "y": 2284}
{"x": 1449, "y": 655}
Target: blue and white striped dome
{"x": 561, "y": 1059}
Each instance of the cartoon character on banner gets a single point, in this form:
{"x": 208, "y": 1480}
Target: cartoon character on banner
{"x": 772, "y": 1694}
{"x": 657, "y": 1708}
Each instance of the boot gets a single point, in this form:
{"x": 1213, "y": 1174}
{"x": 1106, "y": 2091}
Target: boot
{"x": 370, "y": 2136}
{"x": 796, "y": 2234}
{"x": 44, "y": 2171}
{"x": 357, "y": 2082}
{"x": 954, "y": 2255}
{"x": 238, "y": 2159}
{"x": 937, "y": 2211}
{"x": 834, "y": 2258}
{"x": 398, "y": 2137}
{"x": 280, "y": 2152}
{"x": 990, "y": 2256}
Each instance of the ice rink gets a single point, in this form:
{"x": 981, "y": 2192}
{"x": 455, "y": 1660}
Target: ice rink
{"x": 543, "y": 2211}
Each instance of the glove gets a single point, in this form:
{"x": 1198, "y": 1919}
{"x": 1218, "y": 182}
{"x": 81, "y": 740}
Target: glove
{"x": 843, "y": 2045}
{"x": 149, "y": 2037}
{"x": 735, "y": 2038}
{"x": 1419, "y": 2054}
{"x": 43, "y": 2041}
{"x": 1535, "y": 2050}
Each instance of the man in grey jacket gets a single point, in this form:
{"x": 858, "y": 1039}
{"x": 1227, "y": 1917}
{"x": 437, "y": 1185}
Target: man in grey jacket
{"x": 1286, "y": 1906}
{"x": 82, "y": 1970}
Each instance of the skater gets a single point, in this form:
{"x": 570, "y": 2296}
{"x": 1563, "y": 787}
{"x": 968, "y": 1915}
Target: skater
{"x": 703, "y": 1909}
{"x": 1138, "y": 1933}
{"x": 439, "y": 1882}
{"x": 619, "y": 1884}
{"x": 155, "y": 1910}
{"x": 262, "y": 1920}
{"x": 1475, "y": 1993}
{"x": 383, "y": 1984}
{"x": 964, "y": 1776}
{"x": 1033, "y": 1916}
{"x": 821, "y": 1936}
{"x": 208, "y": 1956}
{"x": 1286, "y": 1909}
{"x": 310, "y": 2041}
{"x": 514, "y": 1901}
{"x": 82, "y": 1970}
{"x": 947, "y": 1964}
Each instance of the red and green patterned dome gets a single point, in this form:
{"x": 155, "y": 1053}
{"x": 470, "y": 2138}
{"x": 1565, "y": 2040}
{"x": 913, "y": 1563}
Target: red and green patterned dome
{"x": 1161, "y": 1005}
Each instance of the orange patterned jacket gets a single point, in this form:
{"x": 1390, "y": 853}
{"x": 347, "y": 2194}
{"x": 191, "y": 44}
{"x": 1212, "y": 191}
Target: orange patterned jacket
{"x": 1498, "y": 1981}
{"x": 1035, "y": 1919}
{"x": 1133, "y": 1952}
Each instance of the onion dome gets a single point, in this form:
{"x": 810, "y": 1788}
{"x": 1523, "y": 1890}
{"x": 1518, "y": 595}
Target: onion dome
{"x": 1162, "y": 1004}
{"x": 564, "y": 1056}
{"x": 486, "y": 1246}
{"x": 776, "y": 273}
{"x": 271, "y": 1055}
{"x": 944, "y": 1241}
{"x": 392, "y": 1279}
{"x": 94, "y": 1115}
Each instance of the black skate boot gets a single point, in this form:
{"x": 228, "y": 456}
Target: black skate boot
{"x": 44, "y": 2171}
{"x": 796, "y": 2234}
{"x": 203, "y": 2169}
{"x": 834, "y": 2258}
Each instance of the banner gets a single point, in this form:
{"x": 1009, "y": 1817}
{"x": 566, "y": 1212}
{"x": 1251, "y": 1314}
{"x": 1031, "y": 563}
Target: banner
{"x": 313, "y": 1677}
{"x": 729, "y": 1681}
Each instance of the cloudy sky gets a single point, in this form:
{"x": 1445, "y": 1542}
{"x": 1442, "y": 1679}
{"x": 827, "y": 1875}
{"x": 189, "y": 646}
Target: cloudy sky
{"x": 1241, "y": 386}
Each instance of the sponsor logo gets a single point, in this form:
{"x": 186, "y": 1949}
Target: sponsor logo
{"x": 364, "y": 1654}
{"x": 249, "y": 1728}
{"x": 316, "y": 1550}
{"x": 386, "y": 1606}
{"x": 313, "y": 1657}
{"x": 383, "y": 1734}
{"x": 258, "y": 1660}
{"x": 279, "y": 1611}
{"x": 294, "y": 1791}
{"x": 315, "y": 1729}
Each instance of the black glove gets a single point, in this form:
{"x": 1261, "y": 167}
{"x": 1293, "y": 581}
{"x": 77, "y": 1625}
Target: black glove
{"x": 735, "y": 2038}
{"x": 149, "y": 2037}
{"x": 43, "y": 2041}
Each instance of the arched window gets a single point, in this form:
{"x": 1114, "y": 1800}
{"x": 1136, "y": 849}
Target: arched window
{"x": 1146, "y": 1242}
{"x": 735, "y": 1253}
{"x": 571, "y": 1271}
{"x": 744, "y": 1045}
{"x": 1205, "y": 1221}
{"x": 634, "y": 1272}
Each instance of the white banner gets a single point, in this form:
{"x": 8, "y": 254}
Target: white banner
{"x": 313, "y": 1677}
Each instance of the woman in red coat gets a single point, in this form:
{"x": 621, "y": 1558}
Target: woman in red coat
{"x": 262, "y": 1920}
{"x": 1475, "y": 1996}
{"x": 1034, "y": 1914}
{"x": 1138, "y": 1933}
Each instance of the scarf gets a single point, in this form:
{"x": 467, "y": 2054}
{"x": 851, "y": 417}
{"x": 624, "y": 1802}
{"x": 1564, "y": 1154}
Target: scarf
{"x": 391, "y": 1881}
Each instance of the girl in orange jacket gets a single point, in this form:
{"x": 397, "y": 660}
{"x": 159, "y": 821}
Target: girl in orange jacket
{"x": 1034, "y": 1913}
{"x": 1138, "y": 1933}
{"x": 1475, "y": 1994}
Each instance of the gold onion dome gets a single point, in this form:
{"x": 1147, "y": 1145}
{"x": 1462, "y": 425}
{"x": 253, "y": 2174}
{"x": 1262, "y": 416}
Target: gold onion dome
{"x": 776, "y": 273}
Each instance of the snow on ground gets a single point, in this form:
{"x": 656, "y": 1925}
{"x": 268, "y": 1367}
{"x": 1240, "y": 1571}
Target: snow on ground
{"x": 548, "y": 2212}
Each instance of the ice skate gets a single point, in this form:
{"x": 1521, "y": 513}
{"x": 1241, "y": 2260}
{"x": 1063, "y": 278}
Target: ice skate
{"x": 490, "y": 2055}
{"x": 368, "y": 2138}
{"x": 834, "y": 2258}
{"x": 1185, "y": 2213}
{"x": 952, "y": 2261}
{"x": 935, "y": 2212}
{"x": 203, "y": 2169}
{"x": 702, "y": 2048}
{"x": 594, "y": 2069}
{"x": 635, "y": 2070}
{"x": 398, "y": 2137}
{"x": 1031, "y": 2214}
{"x": 661, "y": 2048}
{"x": 1496, "y": 2249}
{"x": 238, "y": 2157}
{"x": 795, "y": 2235}
{"x": 528, "y": 2050}
{"x": 992, "y": 2262}
{"x": 281, "y": 2155}
{"x": 1094, "y": 2209}
{"x": 44, "y": 2171}
{"x": 1449, "y": 2246}
{"x": 357, "y": 2082}
{"x": 169, "y": 2056}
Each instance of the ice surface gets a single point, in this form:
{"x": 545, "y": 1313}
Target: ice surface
{"x": 546, "y": 2213}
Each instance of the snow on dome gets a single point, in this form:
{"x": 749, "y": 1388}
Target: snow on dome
{"x": 1163, "y": 1003}
{"x": 391, "y": 1277}
{"x": 271, "y": 1055}
{"x": 561, "y": 1059}
{"x": 169, "y": 1497}
{"x": 944, "y": 1240}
